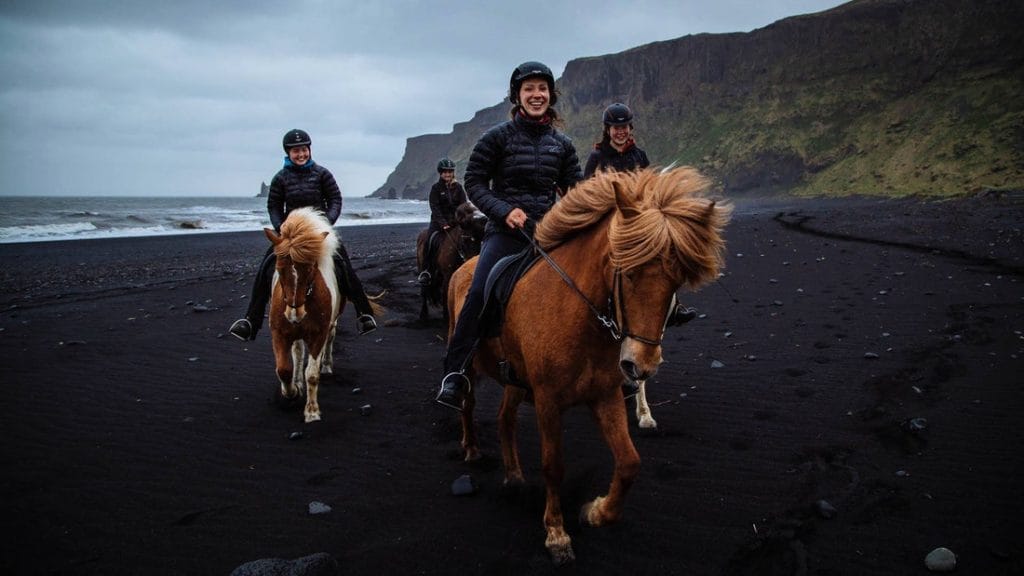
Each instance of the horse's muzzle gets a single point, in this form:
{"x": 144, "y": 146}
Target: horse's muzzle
{"x": 294, "y": 314}
{"x": 638, "y": 362}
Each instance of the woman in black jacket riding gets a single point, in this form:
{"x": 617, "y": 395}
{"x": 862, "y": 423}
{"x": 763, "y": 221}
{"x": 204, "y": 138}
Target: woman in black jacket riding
{"x": 617, "y": 149}
{"x": 514, "y": 173}
{"x": 302, "y": 182}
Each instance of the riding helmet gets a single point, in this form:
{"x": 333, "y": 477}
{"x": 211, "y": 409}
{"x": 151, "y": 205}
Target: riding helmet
{"x": 295, "y": 138}
{"x": 445, "y": 164}
{"x": 617, "y": 114}
{"x": 530, "y": 70}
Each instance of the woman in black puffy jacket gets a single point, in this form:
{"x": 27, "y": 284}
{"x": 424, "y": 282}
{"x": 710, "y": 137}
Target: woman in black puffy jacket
{"x": 513, "y": 175}
{"x": 300, "y": 183}
{"x": 617, "y": 151}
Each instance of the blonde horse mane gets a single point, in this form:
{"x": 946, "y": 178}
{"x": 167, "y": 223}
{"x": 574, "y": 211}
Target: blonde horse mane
{"x": 303, "y": 240}
{"x": 674, "y": 221}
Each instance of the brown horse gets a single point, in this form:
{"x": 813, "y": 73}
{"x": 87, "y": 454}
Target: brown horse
{"x": 627, "y": 239}
{"x": 456, "y": 246}
{"x": 304, "y": 305}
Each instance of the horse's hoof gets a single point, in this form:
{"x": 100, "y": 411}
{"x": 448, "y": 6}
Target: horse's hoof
{"x": 561, "y": 554}
{"x": 472, "y": 455}
{"x": 648, "y": 423}
{"x": 591, "y": 514}
{"x": 312, "y": 418}
{"x": 325, "y": 369}
{"x": 514, "y": 481}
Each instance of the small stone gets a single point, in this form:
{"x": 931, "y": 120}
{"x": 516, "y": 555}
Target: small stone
{"x": 940, "y": 560}
{"x": 316, "y": 507}
{"x": 357, "y": 390}
{"x": 296, "y": 436}
{"x": 915, "y": 425}
{"x": 463, "y": 486}
{"x": 825, "y": 509}
{"x": 200, "y": 308}
{"x": 365, "y": 409}
{"x": 871, "y": 355}
{"x": 717, "y": 364}
{"x": 194, "y": 359}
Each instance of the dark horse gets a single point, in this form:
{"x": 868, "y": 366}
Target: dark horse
{"x": 628, "y": 242}
{"x": 456, "y": 245}
{"x": 304, "y": 305}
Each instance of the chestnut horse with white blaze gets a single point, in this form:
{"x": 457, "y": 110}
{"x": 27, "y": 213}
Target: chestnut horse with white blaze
{"x": 623, "y": 243}
{"x": 304, "y": 305}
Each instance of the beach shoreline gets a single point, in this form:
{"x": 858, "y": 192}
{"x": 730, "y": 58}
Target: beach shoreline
{"x": 869, "y": 353}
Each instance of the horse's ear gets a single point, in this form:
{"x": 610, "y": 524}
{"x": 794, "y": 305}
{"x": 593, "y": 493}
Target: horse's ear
{"x": 325, "y": 234}
{"x": 624, "y": 201}
{"x": 272, "y": 236}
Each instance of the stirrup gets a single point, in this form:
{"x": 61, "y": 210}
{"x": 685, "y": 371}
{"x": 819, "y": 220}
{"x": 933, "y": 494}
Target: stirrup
{"x": 365, "y": 324}
{"x": 243, "y": 330}
{"x": 453, "y": 391}
{"x": 424, "y": 278}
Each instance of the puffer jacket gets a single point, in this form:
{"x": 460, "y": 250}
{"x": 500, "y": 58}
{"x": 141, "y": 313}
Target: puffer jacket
{"x": 520, "y": 163}
{"x": 444, "y": 200}
{"x": 298, "y": 186}
{"x": 605, "y": 157}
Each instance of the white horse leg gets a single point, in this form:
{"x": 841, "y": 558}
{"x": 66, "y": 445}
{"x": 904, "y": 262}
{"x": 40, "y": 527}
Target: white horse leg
{"x": 312, "y": 411}
{"x": 327, "y": 356}
{"x": 643, "y": 410}
{"x": 298, "y": 365}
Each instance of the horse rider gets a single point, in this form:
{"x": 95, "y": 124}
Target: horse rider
{"x": 513, "y": 175}
{"x": 446, "y": 195}
{"x": 617, "y": 151}
{"x": 303, "y": 182}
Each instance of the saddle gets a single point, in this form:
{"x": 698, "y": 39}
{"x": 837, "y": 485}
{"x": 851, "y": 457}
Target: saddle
{"x": 498, "y": 289}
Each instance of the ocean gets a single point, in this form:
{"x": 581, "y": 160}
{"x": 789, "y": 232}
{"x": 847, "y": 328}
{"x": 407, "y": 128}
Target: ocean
{"x": 37, "y": 219}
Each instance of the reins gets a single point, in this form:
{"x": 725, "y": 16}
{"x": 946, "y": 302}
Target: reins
{"x": 607, "y": 322}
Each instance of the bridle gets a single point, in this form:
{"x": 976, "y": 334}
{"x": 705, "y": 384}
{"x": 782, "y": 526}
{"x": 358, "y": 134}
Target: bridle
{"x": 616, "y": 322}
{"x": 309, "y": 288}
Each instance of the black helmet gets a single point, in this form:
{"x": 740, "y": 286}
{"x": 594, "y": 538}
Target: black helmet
{"x": 295, "y": 138}
{"x": 530, "y": 70}
{"x": 445, "y": 164}
{"x": 617, "y": 114}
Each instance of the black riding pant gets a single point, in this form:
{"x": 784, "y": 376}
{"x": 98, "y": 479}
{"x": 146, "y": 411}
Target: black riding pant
{"x": 462, "y": 345}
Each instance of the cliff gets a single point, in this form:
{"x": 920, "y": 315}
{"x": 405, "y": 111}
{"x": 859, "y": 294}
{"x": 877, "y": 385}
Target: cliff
{"x": 887, "y": 97}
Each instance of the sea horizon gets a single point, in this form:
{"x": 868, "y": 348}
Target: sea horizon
{"x": 53, "y": 218}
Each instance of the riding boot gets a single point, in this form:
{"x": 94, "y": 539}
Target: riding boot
{"x": 681, "y": 315}
{"x": 246, "y": 328}
{"x": 461, "y": 348}
{"x": 352, "y": 288}
{"x": 630, "y": 388}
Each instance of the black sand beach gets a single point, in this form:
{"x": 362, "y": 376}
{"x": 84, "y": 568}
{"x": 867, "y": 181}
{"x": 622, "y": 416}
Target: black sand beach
{"x": 867, "y": 353}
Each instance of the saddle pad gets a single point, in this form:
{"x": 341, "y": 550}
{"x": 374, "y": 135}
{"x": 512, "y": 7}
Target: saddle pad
{"x": 498, "y": 289}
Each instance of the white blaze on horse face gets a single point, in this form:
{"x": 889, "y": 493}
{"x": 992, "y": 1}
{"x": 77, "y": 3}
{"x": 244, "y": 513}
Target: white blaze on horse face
{"x": 293, "y": 312}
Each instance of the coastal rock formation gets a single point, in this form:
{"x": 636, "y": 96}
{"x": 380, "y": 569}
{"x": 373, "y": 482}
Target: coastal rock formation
{"x": 883, "y": 97}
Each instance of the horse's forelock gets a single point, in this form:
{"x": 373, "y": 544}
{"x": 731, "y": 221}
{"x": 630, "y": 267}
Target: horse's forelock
{"x": 677, "y": 224}
{"x": 303, "y": 237}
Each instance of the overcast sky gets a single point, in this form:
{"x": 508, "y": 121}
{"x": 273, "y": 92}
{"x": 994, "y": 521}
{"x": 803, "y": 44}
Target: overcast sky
{"x": 191, "y": 98}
